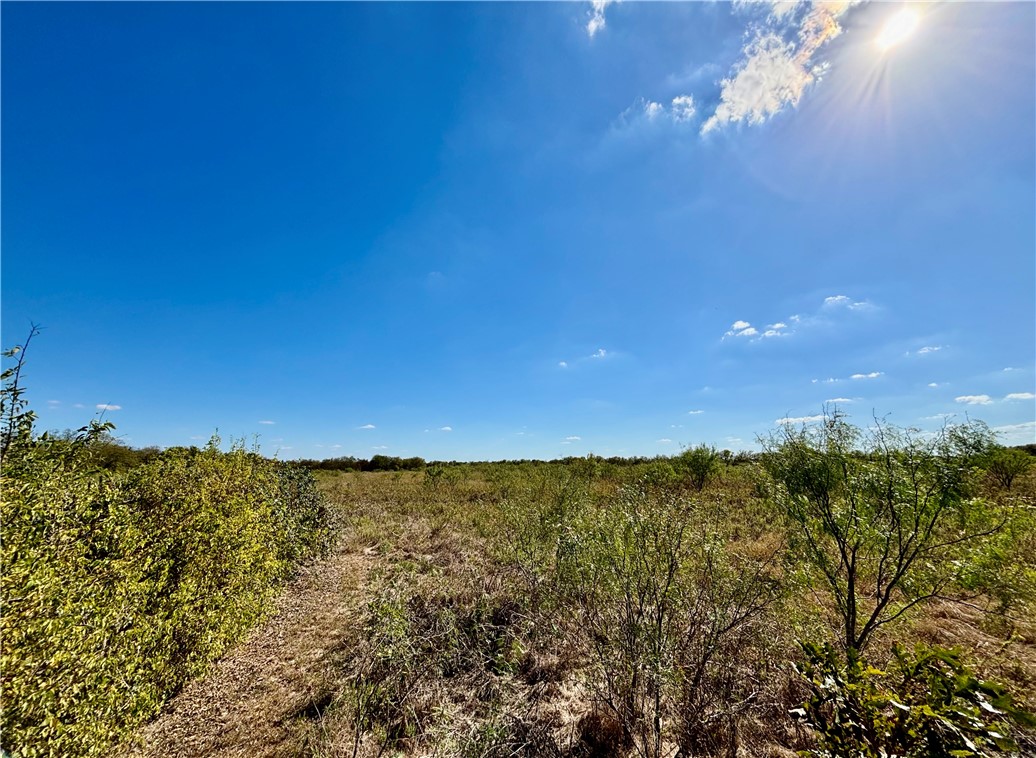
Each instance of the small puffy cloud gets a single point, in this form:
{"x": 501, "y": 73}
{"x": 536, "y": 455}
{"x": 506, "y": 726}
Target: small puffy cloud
{"x": 601, "y": 353}
{"x": 445, "y": 428}
{"x": 653, "y": 110}
{"x": 935, "y": 385}
{"x": 367, "y": 426}
{"x": 694, "y": 412}
{"x": 741, "y": 329}
{"x": 562, "y": 364}
{"x": 844, "y": 301}
{"x": 108, "y": 407}
{"x": 682, "y": 108}
{"x": 799, "y": 419}
{"x": 268, "y": 423}
{"x": 1020, "y": 396}
{"x": 871, "y": 375}
{"x": 974, "y": 399}
{"x": 596, "y": 13}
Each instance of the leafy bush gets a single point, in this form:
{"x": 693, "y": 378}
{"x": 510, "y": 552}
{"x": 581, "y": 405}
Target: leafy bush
{"x": 927, "y": 705}
{"x": 883, "y": 519}
{"x": 1005, "y": 464}
{"x": 118, "y": 587}
{"x": 699, "y": 464}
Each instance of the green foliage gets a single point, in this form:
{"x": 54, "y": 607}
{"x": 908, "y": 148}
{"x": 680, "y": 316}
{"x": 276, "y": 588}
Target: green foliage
{"x": 1005, "y": 464}
{"x": 699, "y": 464}
{"x": 883, "y": 519}
{"x": 926, "y": 705}
{"x": 118, "y": 587}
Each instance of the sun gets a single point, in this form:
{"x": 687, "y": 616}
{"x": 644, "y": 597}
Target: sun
{"x": 898, "y": 28}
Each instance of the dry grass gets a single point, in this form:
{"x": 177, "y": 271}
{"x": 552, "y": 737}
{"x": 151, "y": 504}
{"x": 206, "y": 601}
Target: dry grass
{"x": 437, "y": 629}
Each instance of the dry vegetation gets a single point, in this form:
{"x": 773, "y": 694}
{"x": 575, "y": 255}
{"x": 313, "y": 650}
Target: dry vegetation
{"x": 582, "y": 610}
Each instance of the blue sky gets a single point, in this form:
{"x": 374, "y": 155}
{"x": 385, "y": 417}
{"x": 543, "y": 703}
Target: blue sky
{"x": 481, "y": 231}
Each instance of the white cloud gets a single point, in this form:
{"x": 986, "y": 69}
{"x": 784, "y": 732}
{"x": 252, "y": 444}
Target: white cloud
{"x": 573, "y": 439}
{"x": 268, "y": 423}
{"x": 108, "y": 407}
{"x": 974, "y": 399}
{"x": 336, "y": 447}
{"x": 563, "y": 364}
{"x": 367, "y": 426}
{"x": 741, "y": 329}
{"x": 380, "y": 447}
{"x": 597, "y": 22}
{"x": 78, "y": 405}
{"x": 197, "y": 437}
{"x": 1021, "y": 396}
{"x": 840, "y": 400}
{"x": 934, "y": 385}
{"x": 601, "y": 353}
{"x": 929, "y": 349}
{"x": 767, "y": 79}
{"x": 683, "y": 108}
{"x": 445, "y": 428}
{"x": 836, "y": 300}
{"x": 694, "y": 413}
{"x": 799, "y": 419}
{"x": 653, "y": 110}
{"x": 871, "y": 375}
{"x": 665, "y": 441}
{"x": 1017, "y": 434}
{"x": 774, "y": 72}
{"x": 1011, "y": 368}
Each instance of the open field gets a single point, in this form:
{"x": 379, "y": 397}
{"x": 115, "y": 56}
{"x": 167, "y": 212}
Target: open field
{"x": 473, "y": 614}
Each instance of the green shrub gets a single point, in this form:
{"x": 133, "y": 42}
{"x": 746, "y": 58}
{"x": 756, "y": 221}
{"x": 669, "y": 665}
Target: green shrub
{"x": 116, "y": 588}
{"x": 926, "y": 705}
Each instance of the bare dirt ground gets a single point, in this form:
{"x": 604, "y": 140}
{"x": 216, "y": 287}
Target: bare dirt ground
{"x": 258, "y": 698}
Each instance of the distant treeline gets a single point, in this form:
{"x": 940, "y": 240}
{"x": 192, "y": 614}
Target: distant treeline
{"x": 108, "y": 453}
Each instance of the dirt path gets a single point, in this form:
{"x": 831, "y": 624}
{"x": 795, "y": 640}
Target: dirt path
{"x": 256, "y": 699}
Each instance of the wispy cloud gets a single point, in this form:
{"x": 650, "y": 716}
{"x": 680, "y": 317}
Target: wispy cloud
{"x": 840, "y": 400}
{"x": 108, "y": 407}
{"x": 974, "y": 399}
{"x": 380, "y": 447}
{"x": 445, "y": 428}
{"x": 1017, "y": 434}
{"x": 601, "y": 353}
{"x": 563, "y": 364}
{"x": 778, "y": 63}
{"x": 929, "y": 349}
{"x": 694, "y": 412}
{"x": 573, "y": 438}
{"x": 268, "y": 423}
{"x": 871, "y": 375}
{"x": 664, "y": 441}
{"x": 799, "y": 419}
{"x": 367, "y": 426}
{"x": 597, "y": 21}
{"x": 1020, "y": 396}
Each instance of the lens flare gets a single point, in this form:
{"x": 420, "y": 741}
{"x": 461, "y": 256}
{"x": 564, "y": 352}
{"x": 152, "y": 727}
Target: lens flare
{"x": 898, "y": 28}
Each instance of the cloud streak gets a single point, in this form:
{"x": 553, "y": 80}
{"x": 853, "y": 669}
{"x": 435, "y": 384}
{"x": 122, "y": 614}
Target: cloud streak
{"x": 778, "y": 64}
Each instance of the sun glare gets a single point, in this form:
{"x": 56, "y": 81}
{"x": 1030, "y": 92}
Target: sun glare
{"x": 898, "y": 28}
